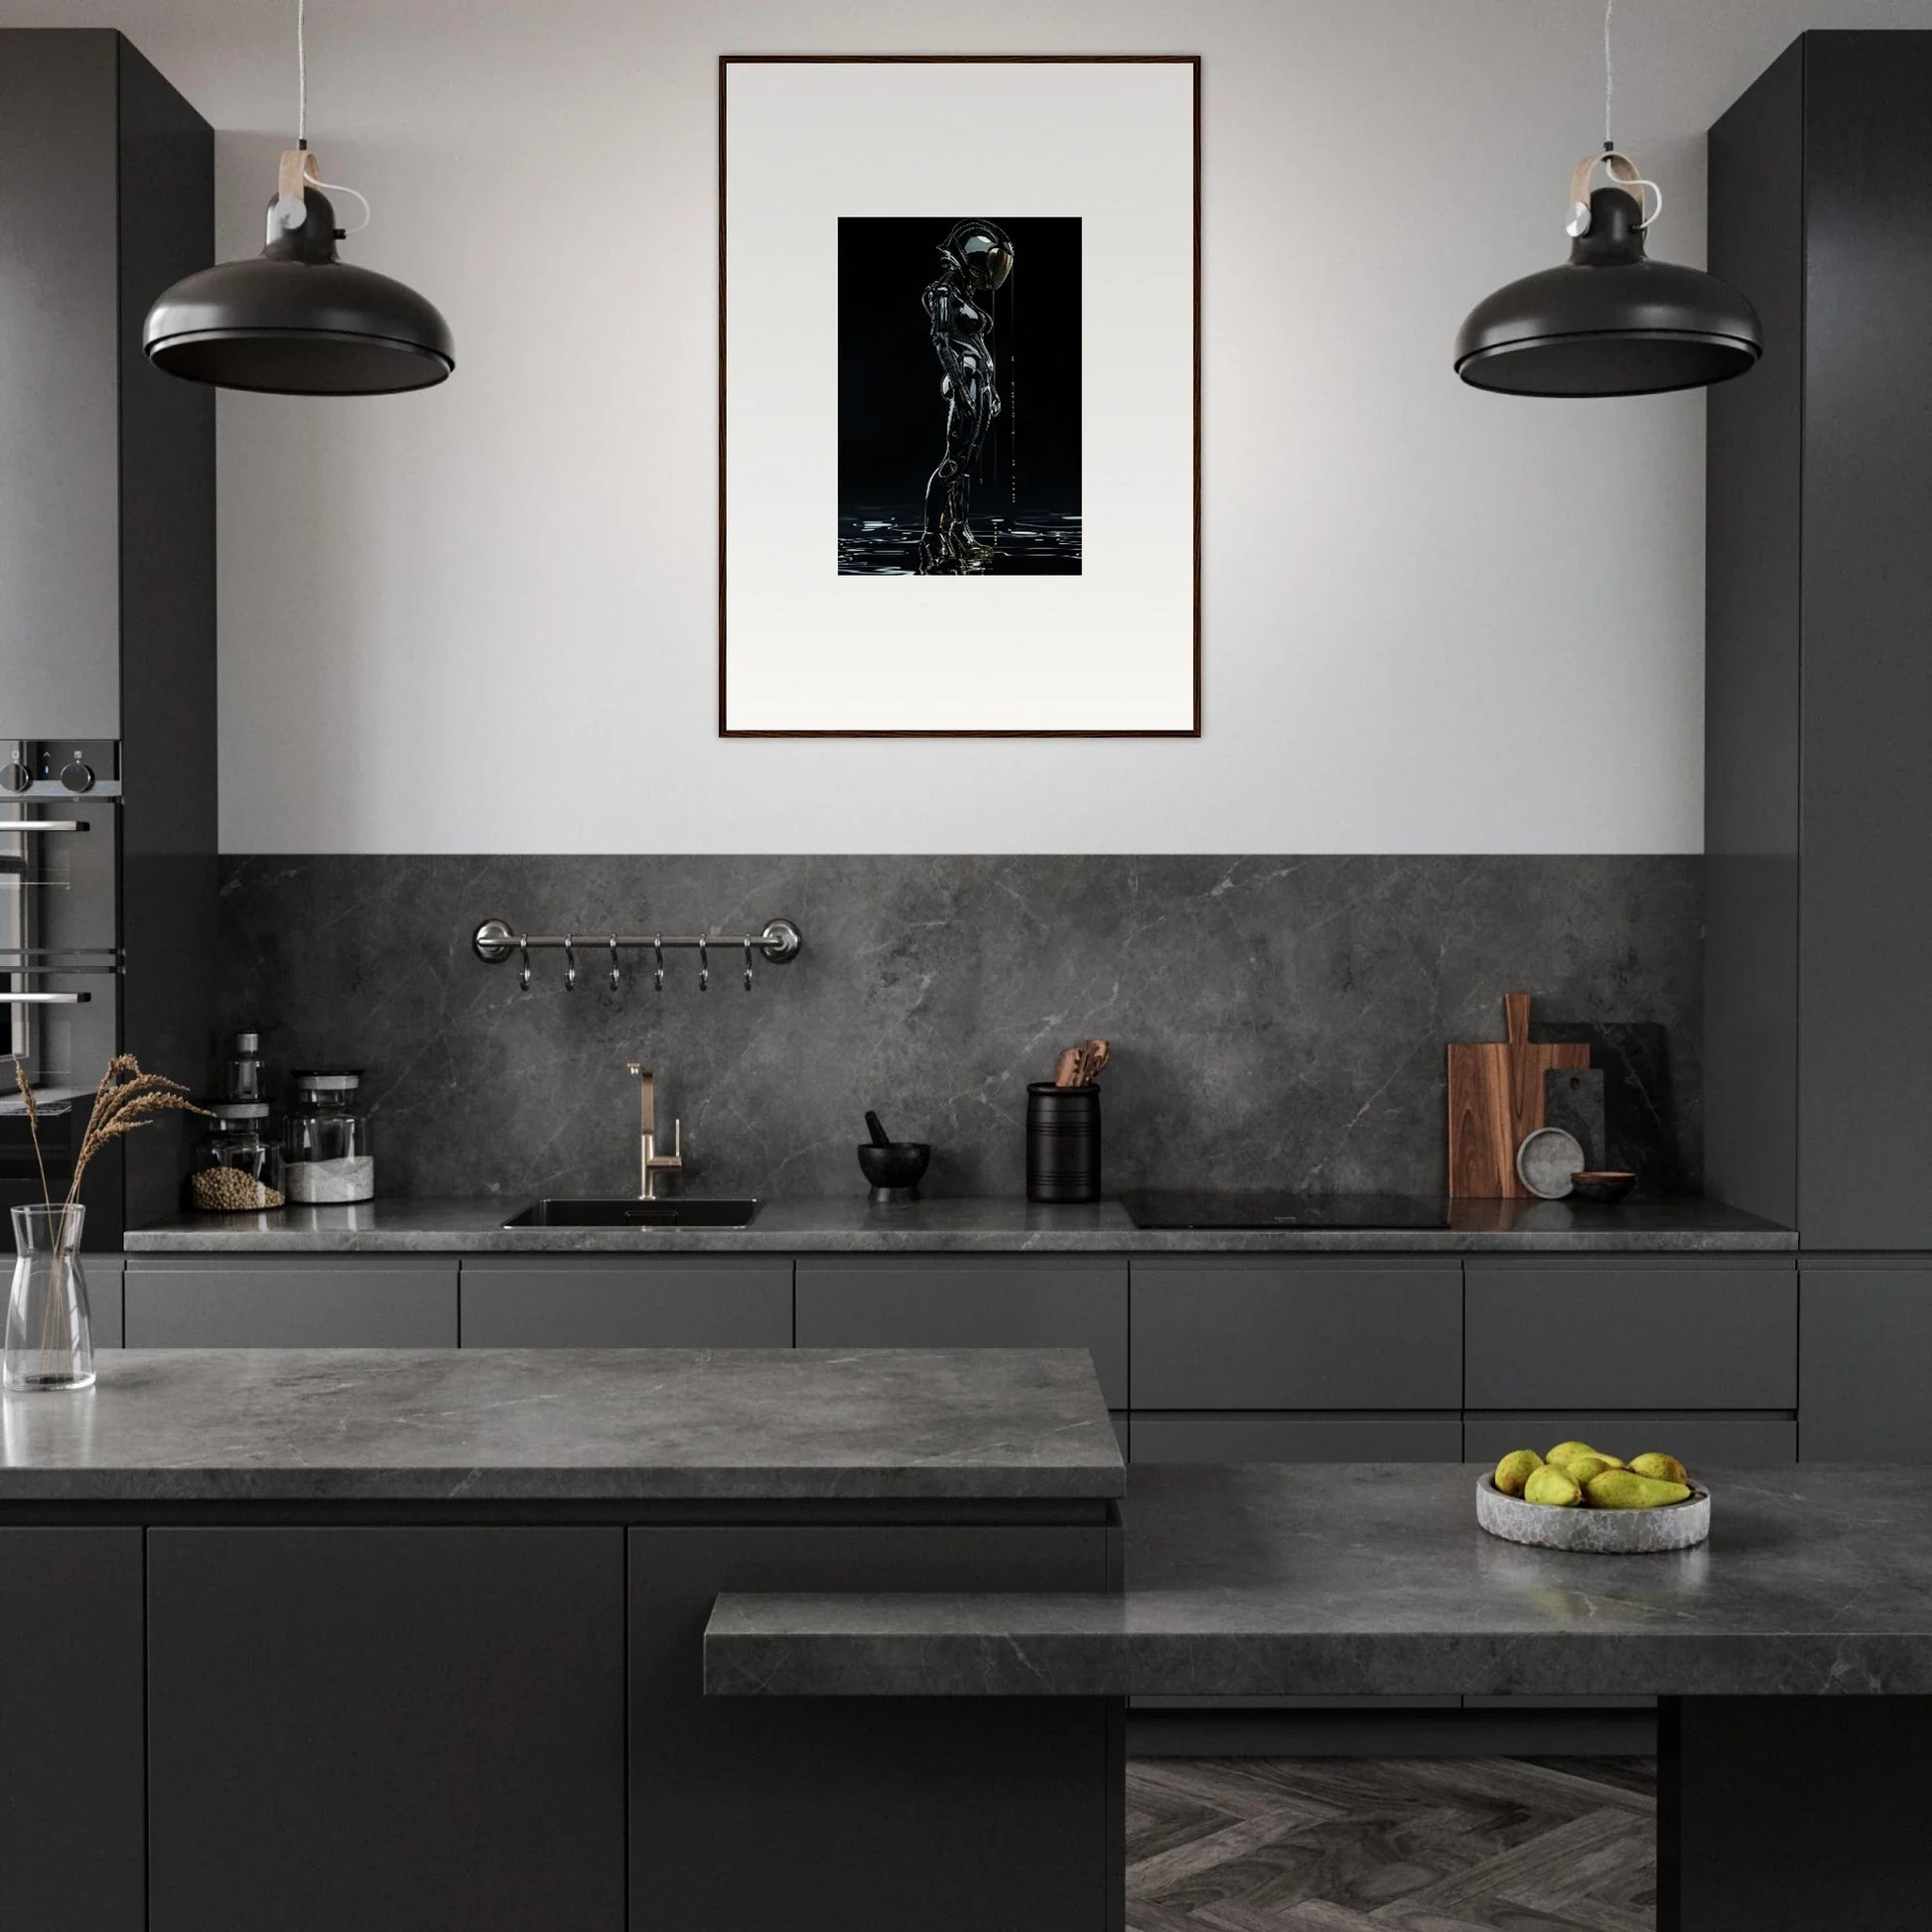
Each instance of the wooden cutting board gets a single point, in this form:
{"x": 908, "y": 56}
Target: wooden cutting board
{"x": 1495, "y": 1098}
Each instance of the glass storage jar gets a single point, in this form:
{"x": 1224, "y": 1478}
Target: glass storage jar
{"x": 238, "y": 1073}
{"x": 237, "y": 1164}
{"x": 330, "y": 1154}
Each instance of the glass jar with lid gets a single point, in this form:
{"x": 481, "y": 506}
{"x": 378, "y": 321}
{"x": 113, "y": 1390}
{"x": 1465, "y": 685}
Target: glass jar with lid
{"x": 330, "y": 1157}
{"x": 239, "y": 1071}
{"x": 237, "y": 1162}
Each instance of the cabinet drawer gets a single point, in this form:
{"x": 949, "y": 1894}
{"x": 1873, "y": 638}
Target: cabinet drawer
{"x": 1725, "y": 1441}
{"x": 266, "y": 1303}
{"x": 385, "y": 1727}
{"x": 948, "y": 1301}
{"x": 1549, "y": 1335}
{"x": 1231, "y": 1333}
{"x": 1298, "y": 1439}
{"x": 695, "y": 1301}
{"x": 1867, "y": 1363}
{"x": 103, "y": 1272}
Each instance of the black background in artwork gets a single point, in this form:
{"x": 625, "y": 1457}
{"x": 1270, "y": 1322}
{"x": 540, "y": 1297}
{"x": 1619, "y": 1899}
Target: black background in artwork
{"x": 891, "y": 418}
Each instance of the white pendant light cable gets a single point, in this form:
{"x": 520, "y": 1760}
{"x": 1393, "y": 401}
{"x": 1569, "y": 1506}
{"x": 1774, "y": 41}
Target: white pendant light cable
{"x": 1622, "y": 171}
{"x": 290, "y": 210}
{"x": 1610, "y": 73}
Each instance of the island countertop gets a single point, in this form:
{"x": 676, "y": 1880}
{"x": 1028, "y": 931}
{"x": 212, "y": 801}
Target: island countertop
{"x": 1374, "y": 1579}
{"x": 964, "y": 1225}
{"x": 566, "y": 1426}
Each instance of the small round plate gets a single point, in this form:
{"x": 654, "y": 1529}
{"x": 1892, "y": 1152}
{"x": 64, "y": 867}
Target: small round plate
{"x": 1546, "y": 1161}
{"x": 1594, "y": 1532}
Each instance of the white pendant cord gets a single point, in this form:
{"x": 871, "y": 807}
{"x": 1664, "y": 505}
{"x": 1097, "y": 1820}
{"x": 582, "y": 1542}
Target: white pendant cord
{"x": 290, "y": 213}
{"x": 1618, "y": 165}
{"x": 1609, "y": 72}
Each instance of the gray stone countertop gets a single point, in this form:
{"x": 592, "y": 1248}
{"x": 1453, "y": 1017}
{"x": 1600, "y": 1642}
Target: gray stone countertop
{"x": 961, "y": 1226}
{"x": 1373, "y": 1578}
{"x": 604, "y": 1425}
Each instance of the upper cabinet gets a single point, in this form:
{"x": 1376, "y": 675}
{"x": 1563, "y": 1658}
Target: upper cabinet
{"x": 1818, "y": 673}
{"x": 106, "y": 485}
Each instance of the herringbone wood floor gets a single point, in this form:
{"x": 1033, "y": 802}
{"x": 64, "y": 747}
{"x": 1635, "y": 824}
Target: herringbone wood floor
{"x": 1390, "y": 1844}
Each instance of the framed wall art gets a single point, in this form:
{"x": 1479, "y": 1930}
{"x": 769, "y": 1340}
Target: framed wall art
{"x": 959, "y": 396}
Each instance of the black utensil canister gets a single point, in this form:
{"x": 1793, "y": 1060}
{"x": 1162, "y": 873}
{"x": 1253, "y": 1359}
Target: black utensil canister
{"x": 1063, "y": 1143}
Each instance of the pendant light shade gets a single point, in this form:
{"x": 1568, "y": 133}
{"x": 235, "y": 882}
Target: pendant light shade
{"x": 1609, "y": 322}
{"x": 296, "y": 319}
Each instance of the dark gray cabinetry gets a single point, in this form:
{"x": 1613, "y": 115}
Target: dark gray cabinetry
{"x": 70, "y": 1742}
{"x": 1865, "y": 1345}
{"x": 1551, "y": 1334}
{"x": 107, "y": 561}
{"x": 1218, "y": 1332}
{"x": 107, "y": 193}
{"x": 394, "y": 1730}
{"x": 1243, "y": 1438}
{"x": 59, "y": 410}
{"x": 1739, "y": 1441}
{"x": 946, "y": 1795}
{"x": 272, "y": 1302}
{"x": 955, "y": 1301}
{"x": 103, "y": 1272}
{"x": 665, "y": 1302}
{"x": 1819, "y": 683}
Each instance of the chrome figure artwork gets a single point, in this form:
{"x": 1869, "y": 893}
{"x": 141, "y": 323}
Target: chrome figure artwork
{"x": 977, "y": 259}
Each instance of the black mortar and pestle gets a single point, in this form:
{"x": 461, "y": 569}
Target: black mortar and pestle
{"x": 893, "y": 1166}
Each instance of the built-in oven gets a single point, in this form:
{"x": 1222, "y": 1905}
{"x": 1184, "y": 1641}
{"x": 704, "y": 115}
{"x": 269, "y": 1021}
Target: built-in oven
{"x": 60, "y": 957}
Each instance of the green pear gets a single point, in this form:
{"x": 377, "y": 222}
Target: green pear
{"x": 1515, "y": 1470}
{"x": 1579, "y": 1468}
{"x": 1666, "y": 1468}
{"x": 1625, "y": 1489}
{"x": 1549, "y": 1486}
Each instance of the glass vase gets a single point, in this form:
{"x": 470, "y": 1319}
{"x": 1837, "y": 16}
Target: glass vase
{"x": 49, "y": 1337}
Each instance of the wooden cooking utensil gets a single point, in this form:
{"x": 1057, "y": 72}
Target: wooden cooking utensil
{"x": 1495, "y": 1099}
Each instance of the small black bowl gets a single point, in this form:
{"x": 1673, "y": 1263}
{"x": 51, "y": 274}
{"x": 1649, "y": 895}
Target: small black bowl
{"x": 894, "y": 1168}
{"x": 1604, "y": 1186}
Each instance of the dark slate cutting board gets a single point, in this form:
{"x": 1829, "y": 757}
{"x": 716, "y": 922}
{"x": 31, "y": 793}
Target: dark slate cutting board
{"x": 1638, "y": 1130}
{"x": 1572, "y": 1099}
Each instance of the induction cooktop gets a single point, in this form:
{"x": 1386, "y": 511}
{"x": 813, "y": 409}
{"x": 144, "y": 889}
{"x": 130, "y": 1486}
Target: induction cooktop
{"x": 1158, "y": 1208}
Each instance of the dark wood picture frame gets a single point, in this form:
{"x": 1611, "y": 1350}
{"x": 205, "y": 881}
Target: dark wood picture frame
{"x": 728, "y": 60}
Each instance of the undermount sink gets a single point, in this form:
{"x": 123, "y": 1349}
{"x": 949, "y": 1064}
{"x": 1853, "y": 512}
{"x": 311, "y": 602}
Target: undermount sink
{"x": 633, "y": 1213}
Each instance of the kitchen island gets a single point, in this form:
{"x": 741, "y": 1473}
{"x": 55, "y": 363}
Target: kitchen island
{"x": 1793, "y": 1651}
{"x": 413, "y": 1639}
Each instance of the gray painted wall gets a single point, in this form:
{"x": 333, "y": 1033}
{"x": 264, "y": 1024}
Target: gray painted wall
{"x": 1276, "y": 1022}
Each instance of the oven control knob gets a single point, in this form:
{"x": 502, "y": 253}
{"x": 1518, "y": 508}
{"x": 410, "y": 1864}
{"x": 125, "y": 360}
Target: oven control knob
{"x": 78, "y": 776}
{"x": 15, "y": 776}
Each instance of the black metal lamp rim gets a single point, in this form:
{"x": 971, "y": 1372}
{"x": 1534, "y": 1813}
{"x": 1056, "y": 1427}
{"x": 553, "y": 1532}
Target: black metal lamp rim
{"x": 1740, "y": 356}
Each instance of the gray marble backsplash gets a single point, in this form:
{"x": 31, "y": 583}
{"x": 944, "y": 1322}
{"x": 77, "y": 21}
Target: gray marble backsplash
{"x": 1276, "y": 1022}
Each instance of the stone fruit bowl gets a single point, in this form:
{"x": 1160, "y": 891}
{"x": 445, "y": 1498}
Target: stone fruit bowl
{"x": 1598, "y": 1532}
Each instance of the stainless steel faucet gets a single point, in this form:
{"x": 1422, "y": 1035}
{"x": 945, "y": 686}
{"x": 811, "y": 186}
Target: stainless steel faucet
{"x": 651, "y": 1162}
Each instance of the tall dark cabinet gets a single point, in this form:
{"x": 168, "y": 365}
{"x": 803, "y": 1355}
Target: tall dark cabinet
{"x": 107, "y": 677}
{"x": 1819, "y": 682}
{"x": 1819, "y": 716}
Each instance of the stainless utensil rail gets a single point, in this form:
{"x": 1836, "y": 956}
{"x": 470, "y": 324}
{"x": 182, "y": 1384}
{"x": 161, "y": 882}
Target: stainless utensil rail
{"x": 780, "y": 941}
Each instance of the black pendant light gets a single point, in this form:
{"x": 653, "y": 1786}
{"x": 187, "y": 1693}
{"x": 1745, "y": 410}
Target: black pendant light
{"x": 1609, "y": 322}
{"x": 296, "y": 319}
